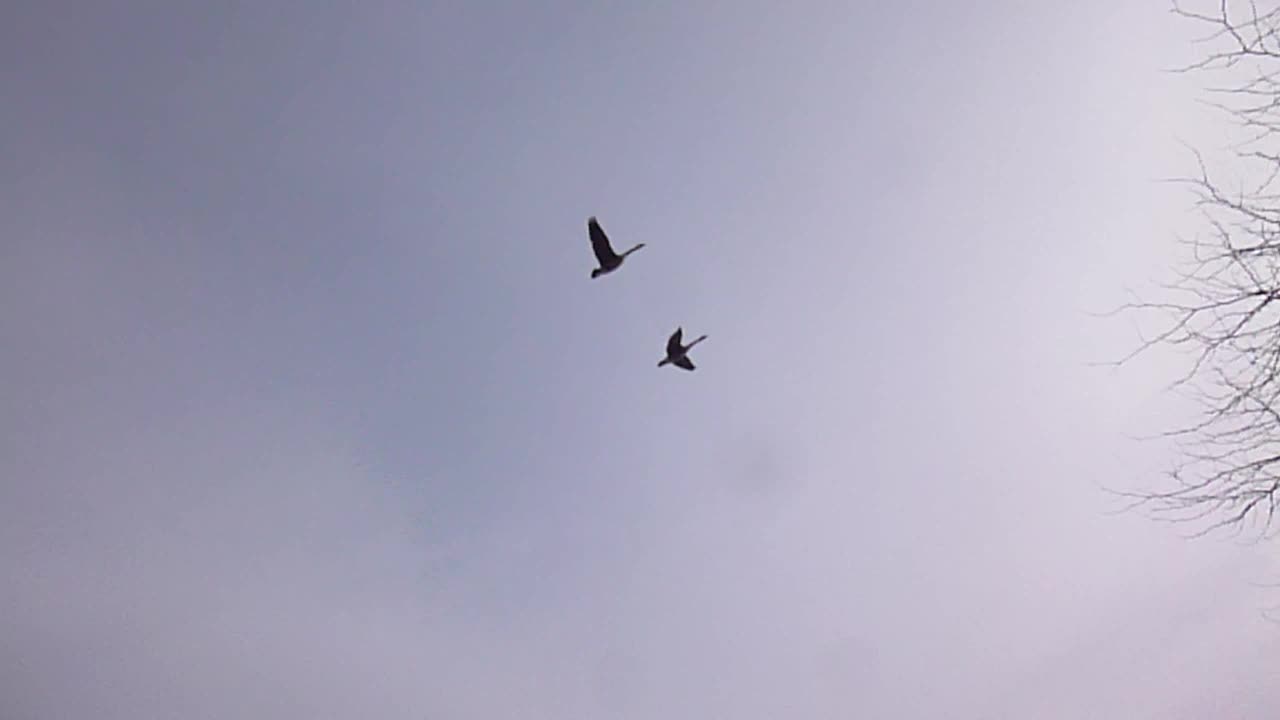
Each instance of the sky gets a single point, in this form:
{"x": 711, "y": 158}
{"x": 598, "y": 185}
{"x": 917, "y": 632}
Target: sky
{"x": 311, "y": 409}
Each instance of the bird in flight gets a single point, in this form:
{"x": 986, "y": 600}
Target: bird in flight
{"x": 677, "y": 353}
{"x": 608, "y": 259}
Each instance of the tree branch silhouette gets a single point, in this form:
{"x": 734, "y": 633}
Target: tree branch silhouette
{"x": 1223, "y": 305}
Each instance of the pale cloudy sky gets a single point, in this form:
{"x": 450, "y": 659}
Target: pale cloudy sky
{"x": 311, "y": 411}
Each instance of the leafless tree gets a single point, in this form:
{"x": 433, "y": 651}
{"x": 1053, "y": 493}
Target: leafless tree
{"x": 1223, "y": 306}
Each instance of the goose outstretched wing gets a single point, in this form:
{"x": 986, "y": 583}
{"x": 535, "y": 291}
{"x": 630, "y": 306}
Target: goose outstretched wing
{"x": 600, "y": 243}
{"x": 673, "y": 343}
{"x": 683, "y": 362}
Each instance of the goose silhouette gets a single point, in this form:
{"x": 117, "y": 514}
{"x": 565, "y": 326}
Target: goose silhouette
{"x": 608, "y": 259}
{"x": 677, "y": 353}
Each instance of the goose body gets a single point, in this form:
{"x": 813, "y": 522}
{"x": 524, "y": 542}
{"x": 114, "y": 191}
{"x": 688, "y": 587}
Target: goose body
{"x": 605, "y": 256}
{"x": 677, "y": 352}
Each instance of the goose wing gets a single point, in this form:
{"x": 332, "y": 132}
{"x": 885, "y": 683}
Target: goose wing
{"x": 673, "y": 343}
{"x": 600, "y": 243}
{"x": 683, "y": 362}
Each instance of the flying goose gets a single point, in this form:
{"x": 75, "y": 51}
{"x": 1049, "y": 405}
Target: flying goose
{"x": 678, "y": 354}
{"x": 608, "y": 259}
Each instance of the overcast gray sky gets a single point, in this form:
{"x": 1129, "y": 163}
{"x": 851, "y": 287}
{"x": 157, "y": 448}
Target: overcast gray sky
{"x": 310, "y": 409}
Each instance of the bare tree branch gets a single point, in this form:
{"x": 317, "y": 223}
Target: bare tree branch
{"x": 1222, "y": 307}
